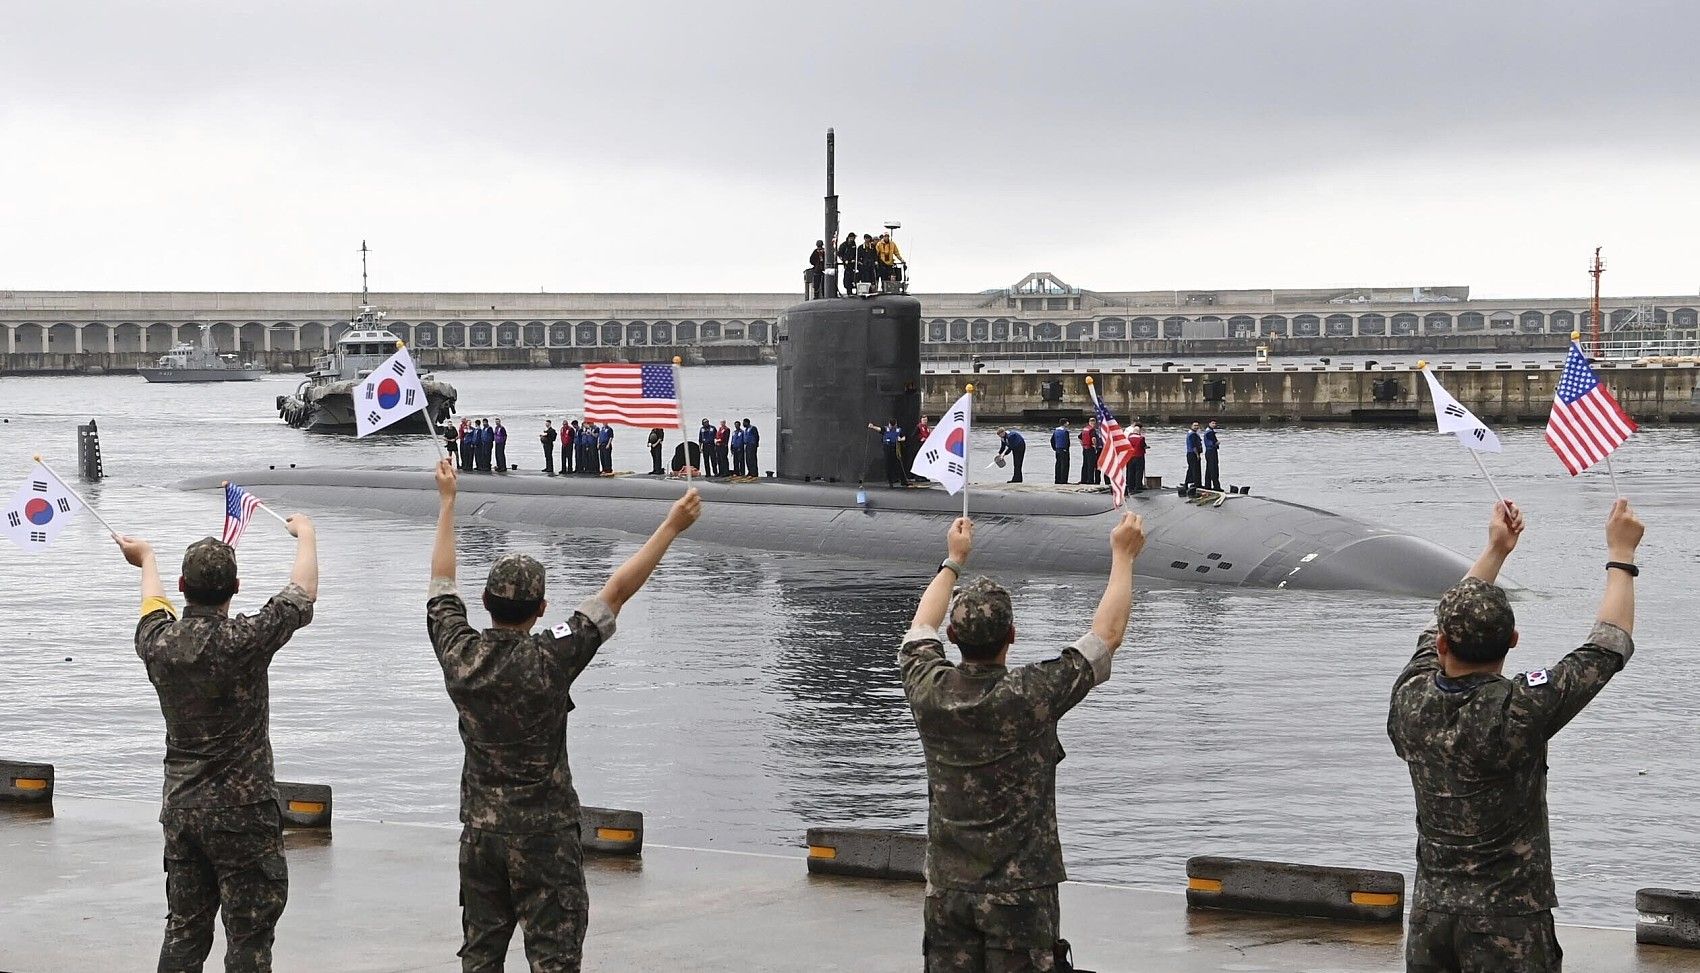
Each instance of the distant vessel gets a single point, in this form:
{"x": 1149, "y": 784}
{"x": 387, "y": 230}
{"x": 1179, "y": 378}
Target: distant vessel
{"x": 201, "y": 363}
{"x": 325, "y": 399}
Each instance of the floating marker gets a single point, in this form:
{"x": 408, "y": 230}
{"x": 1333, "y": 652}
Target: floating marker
{"x": 868, "y": 852}
{"x": 1248, "y": 885}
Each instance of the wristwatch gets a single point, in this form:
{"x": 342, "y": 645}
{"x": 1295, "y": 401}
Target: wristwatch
{"x": 948, "y": 565}
{"x": 1625, "y": 567}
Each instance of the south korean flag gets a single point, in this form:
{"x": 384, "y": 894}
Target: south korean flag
{"x": 391, "y": 393}
{"x": 944, "y": 456}
{"x": 40, "y": 511}
{"x": 1450, "y": 416}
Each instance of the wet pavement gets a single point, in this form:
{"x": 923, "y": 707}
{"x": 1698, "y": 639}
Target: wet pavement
{"x": 84, "y": 890}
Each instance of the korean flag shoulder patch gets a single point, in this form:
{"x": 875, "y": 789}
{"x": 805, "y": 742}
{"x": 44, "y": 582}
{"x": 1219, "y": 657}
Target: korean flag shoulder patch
{"x": 1537, "y": 678}
{"x": 563, "y": 630}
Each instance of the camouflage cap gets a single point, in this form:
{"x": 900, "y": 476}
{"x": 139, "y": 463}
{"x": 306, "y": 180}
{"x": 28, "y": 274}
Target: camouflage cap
{"x": 209, "y": 565}
{"x": 516, "y": 577}
{"x": 1476, "y": 617}
{"x": 981, "y": 615}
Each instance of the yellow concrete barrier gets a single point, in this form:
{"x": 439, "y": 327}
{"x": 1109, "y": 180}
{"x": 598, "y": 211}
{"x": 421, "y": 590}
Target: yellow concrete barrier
{"x": 304, "y": 805}
{"x": 609, "y": 831}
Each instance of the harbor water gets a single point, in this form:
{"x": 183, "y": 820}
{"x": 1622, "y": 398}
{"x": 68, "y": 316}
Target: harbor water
{"x": 749, "y": 695}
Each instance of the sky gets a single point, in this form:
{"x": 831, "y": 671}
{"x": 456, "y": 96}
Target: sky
{"x": 662, "y": 146}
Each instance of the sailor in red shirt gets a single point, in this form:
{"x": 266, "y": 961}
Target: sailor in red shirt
{"x": 1136, "y": 465}
{"x": 1090, "y": 444}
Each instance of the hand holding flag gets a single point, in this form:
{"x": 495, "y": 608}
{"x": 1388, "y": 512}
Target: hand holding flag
{"x": 239, "y": 505}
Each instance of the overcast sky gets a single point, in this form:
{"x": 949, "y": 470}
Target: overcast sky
{"x": 646, "y": 146}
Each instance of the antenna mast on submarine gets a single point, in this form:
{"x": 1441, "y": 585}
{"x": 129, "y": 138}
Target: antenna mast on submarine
{"x": 364, "y": 300}
{"x": 829, "y": 276}
{"x": 1595, "y": 271}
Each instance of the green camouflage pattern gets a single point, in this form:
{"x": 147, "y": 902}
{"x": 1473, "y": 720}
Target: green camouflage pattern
{"x": 1476, "y": 748}
{"x": 990, "y": 737}
{"x": 225, "y": 860}
{"x": 1440, "y": 942}
{"x": 516, "y": 577}
{"x": 992, "y": 932}
{"x": 209, "y": 671}
{"x": 211, "y": 564}
{"x": 981, "y": 614}
{"x": 533, "y": 880}
{"x": 511, "y": 693}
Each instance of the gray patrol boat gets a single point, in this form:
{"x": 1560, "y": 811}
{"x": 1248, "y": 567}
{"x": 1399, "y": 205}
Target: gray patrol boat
{"x": 324, "y": 401}
{"x": 189, "y": 362}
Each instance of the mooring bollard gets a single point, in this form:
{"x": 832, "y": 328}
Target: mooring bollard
{"x": 1322, "y": 891}
{"x": 868, "y": 853}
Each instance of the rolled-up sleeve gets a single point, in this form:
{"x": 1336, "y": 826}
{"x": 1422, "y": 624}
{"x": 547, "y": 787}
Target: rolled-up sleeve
{"x": 1098, "y": 653}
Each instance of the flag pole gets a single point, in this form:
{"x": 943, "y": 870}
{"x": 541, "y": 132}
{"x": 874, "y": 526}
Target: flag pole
{"x": 968, "y": 471}
{"x": 1483, "y": 467}
{"x": 679, "y": 397}
{"x": 1613, "y": 473}
{"x": 262, "y": 505}
{"x": 424, "y": 409}
{"x": 68, "y": 489}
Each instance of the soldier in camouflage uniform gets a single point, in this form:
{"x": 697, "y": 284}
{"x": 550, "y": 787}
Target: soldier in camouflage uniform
{"x": 990, "y": 736}
{"x": 1476, "y": 745}
{"x": 223, "y": 835}
{"x": 520, "y": 857}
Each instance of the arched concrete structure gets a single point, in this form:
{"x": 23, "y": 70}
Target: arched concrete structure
{"x": 610, "y": 333}
{"x": 1373, "y": 324}
{"x": 637, "y": 333}
{"x": 1000, "y": 329}
{"x": 959, "y": 329}
{"x": 223, "y": 336}
{"x": 285, "y": 336}
{"x": 507, "y": 334}
{"x": 661, "y": 333}
{"x": 1471, "y": 321}
{"x": 1111, "y": 329}
{"x": 1436, "y": 322}
{"x": 1338, "y": 326}
{"x": 127, "y": 337}
{"x": 1272, "y": 324}
{"x": 710, "y": 331}
{"x": 64, "y": 338}
{"x": 685, "y": 333}
{"x": 1307, "y": 326}
{"x": 1530, "y": 322}
{"x": 1174, "y": 326}
{"x": 1047, "y": 331}
{"x": 536, "y": 334}
{"x": 1080, "y": 331}
{"x": 453, "y": 334}
{"x": 561, "y": 334}
{"x": 481, "y": 335}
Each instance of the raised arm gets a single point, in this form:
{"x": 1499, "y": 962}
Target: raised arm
{"x": 443, "y": 549}
{"x": 1504, "y": 529}
{"x": 1127, "y": 539}
{"x": 631, "y": 575}
{"x": 935, "y": 601}
{"x": 139, "y": 553}
{"x": 305, "y": 573}
{"x": 1623, "y": 536}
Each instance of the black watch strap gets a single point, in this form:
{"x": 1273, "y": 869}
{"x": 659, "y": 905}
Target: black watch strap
{"x": 1625, "y": 567}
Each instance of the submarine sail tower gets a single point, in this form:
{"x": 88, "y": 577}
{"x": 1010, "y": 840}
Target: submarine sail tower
{"x": 844, "y": 362}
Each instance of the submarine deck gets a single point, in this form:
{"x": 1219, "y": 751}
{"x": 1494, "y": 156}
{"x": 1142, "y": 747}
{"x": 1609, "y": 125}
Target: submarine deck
{"x": 84, "y": 890}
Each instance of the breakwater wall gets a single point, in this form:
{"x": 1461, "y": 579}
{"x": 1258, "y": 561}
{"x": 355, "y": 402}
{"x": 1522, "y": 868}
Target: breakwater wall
{"x": 1502, "y": 392}
{"x": 445, "y": 359}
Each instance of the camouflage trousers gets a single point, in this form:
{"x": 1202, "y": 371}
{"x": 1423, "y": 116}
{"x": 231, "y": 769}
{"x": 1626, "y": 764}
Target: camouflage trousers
{"x": 994, "y": 932}
{"x": 1440, "y": 942}
{"x": 225, "y": 860}
{"x": 534, "y": 880}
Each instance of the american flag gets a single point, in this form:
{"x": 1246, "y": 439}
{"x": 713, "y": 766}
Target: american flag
{"x": 632, "y": 395}
{"x": 1117, "y": 451}
{"x": 1586, "y": 422}
{"x": 239, "y": 506}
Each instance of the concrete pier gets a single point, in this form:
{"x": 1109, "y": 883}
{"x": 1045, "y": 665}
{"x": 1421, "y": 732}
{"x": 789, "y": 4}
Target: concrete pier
{"x": 1496, "y": 392}
{"x": 84, "y": 890}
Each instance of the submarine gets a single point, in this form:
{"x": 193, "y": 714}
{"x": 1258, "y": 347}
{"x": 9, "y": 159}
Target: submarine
{"x": 844, "y": 360}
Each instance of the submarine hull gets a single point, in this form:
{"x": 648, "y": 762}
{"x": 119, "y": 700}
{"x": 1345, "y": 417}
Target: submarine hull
{"x": 1248, "y": 541}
